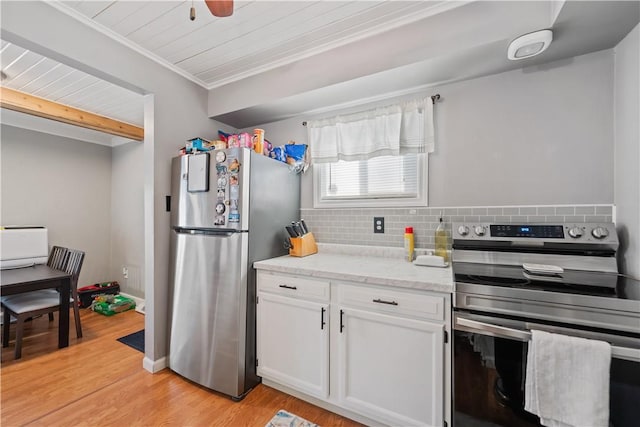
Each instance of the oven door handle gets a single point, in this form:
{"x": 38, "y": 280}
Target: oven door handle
{"x": 463, "y": 324}
{"x": 488, "y": 329}
{"x": 630, "y": 354}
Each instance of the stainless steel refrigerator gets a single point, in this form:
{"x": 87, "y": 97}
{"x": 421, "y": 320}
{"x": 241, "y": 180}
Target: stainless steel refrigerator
{"x": 228, "y": 209}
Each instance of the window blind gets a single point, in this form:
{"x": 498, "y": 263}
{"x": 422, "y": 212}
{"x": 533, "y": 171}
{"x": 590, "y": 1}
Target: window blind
{"x": 380, "y": 177}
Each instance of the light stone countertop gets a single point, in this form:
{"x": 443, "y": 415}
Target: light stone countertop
{"x": 363, "y": 264}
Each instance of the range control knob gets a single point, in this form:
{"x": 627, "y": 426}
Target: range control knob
{"x": 479, "y": 229}
{"x": 575, "y": 232}
{"x": 599, "y": 232}
{"x": 463, "y": 230}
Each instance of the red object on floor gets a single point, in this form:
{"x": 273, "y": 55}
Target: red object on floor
{"x": 86, "y": 294}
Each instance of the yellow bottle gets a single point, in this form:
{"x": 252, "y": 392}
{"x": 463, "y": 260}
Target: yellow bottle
{"x": 442, "y": 240}
{"x": 258, "y": 141}
{"x": 408, "y": 243}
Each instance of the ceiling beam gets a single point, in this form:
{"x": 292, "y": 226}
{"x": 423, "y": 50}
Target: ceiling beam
{"x": 29, "y": 104}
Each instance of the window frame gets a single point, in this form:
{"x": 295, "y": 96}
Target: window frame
{"x": 420, "y": 200}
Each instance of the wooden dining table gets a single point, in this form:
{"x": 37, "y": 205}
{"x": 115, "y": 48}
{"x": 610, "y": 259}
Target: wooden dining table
{"x": 40, "y": 276}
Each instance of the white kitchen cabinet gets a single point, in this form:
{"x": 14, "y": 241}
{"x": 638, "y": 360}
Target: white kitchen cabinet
{"x": 391, "y": 368}
{"x": 387, "y": 362}
{"x": 292, "y": 333}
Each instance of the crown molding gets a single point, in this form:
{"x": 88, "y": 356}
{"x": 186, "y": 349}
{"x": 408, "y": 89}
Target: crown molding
{"x": 57, "y": 4}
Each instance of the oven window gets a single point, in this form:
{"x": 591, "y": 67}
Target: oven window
{"x": 489, "y": 382}
{"x": 624, "y": 394}
{"x": 489, "y": 378}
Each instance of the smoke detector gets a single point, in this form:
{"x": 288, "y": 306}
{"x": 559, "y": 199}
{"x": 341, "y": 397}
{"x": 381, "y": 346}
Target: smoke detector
{"x": 529, "y": 45}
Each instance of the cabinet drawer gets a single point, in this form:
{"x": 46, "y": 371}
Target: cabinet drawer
{"x": 392, "y": 301}
{"x": 292, "y": 286}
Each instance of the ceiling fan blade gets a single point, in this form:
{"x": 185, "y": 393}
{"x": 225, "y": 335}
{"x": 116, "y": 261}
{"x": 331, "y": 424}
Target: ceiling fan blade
{"x": 220, "y": 8}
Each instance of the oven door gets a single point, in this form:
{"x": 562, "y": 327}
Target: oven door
{"x": 489, "y": 366}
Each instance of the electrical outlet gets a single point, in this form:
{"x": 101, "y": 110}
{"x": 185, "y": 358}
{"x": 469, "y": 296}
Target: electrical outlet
{"x": 125, "y": 272}
{"x": 378, "y": 224}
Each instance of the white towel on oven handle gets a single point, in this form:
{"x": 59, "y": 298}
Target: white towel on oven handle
{"x": 567, "y": 380}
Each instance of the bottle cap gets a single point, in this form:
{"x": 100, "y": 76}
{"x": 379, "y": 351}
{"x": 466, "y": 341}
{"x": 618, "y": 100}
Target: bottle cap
{"x": 408, "y": 230}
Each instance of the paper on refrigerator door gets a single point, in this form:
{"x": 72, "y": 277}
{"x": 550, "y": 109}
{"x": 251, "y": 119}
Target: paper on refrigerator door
{"x": 198, "y": 177}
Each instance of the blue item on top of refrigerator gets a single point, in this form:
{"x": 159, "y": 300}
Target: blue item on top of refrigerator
{"x": 295, "y": 151}
{"x": 296, "y": 156}
{"x": 198, "y": 144}
{"x": 278, "y": 154}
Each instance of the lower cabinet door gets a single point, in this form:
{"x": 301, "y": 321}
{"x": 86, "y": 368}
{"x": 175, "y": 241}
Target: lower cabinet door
{"x": 293, "y": 343}
{"x": 391, "y": 369}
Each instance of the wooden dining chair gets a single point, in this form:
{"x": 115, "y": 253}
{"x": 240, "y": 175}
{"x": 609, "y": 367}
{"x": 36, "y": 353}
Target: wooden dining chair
{"x": 46, "y": 301}
{"x": 57, "y": 257}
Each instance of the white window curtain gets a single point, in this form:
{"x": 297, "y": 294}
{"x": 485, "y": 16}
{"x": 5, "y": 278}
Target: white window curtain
{"x": 393, "y": 130}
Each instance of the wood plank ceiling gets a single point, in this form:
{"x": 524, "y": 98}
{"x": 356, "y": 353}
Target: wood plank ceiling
{"x": 260, "y": 35}
{"x": 211, "y": 51}
{"x": 36, "y": 75}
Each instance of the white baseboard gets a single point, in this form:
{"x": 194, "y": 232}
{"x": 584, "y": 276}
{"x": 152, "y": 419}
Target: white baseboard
{"x": 149, "y": 365}
{"x": 154, "y": 366}
{"x": 139, "y": 302}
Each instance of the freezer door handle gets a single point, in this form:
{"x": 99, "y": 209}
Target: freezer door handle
{"x": 205, "y": 232}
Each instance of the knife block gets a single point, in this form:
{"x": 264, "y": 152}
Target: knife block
{"x": 303, "y": 245}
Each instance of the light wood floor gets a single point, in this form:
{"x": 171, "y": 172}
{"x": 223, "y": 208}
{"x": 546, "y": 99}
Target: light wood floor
{"x": 98, "y": 381}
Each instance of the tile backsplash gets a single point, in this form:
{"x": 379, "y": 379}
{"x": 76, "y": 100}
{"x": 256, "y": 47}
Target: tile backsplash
{"x": 355, "y": 226}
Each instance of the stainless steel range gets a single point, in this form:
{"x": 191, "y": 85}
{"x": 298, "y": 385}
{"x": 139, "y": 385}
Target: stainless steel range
{"x": 561, "y": 278}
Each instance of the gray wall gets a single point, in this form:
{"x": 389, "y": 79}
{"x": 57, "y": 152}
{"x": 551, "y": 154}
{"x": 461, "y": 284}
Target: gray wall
{"x": 179, "y": 112}
{"x": 627, "y": 150}
{"x": 127, "y": 217}
{"x": 64, "y": 185}
{"x": 534, "y": 136}
{"x": 89, "y": 196}
{"x": 540, "y": 135}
